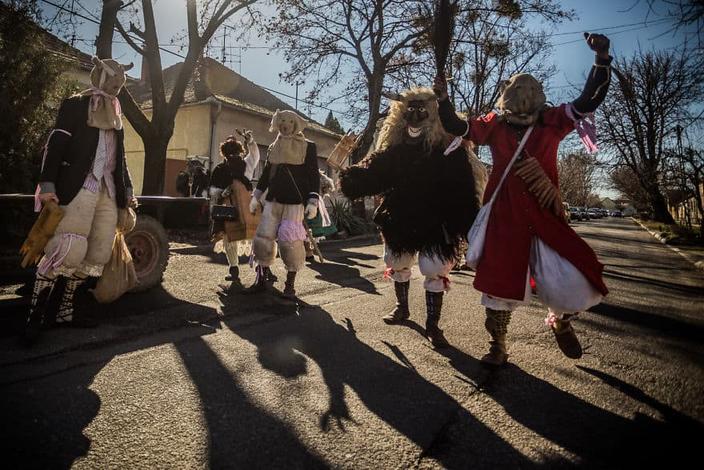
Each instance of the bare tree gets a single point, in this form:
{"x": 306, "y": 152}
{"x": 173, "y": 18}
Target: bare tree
{"x": 492, "y": 42}
{"x": 621, "y": 178}
{"x": 349, "y": 42}
{"x": 685, "y": 174}
{"x": 638, "y": 117}
{"x": 577, "y": 173}
{"x": 203, "y": 19}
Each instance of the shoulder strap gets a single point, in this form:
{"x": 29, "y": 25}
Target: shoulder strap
{"x": 519, "y": 149}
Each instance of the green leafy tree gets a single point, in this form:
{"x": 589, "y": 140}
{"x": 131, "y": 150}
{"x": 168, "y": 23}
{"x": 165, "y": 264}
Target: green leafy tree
{"x": 30, "y": 94}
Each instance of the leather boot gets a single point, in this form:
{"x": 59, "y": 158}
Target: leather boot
{"x": 234, "y": 274}
{"x": 37, "y": 310}
{"x": 496, "y": 324}
{"x": 400, "y": 312}
{"x": 433, "y": 302}
{"x": 76, "y": 305}
{"x": 260, "y": 282}
{"x": 289, "y": 290}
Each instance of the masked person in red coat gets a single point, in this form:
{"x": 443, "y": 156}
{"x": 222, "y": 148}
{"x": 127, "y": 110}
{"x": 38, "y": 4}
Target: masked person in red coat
{"x": 527, "y": 236}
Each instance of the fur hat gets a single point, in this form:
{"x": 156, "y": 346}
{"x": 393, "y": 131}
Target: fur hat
{"x": 521, "y": 100}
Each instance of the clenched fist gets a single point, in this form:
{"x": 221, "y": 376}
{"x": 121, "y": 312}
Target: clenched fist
{"x": 598, "y": 43}
{"x": 440, "y": 87}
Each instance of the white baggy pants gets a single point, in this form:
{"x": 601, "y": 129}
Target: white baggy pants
{"x": 435, "y": 270}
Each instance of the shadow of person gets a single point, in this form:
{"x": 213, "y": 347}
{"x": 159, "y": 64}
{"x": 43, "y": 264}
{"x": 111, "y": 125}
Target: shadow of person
{"x": 341, "y": 273}
{"x": 241, "y": 433}
{"x": 47, "y": 401}
{"x": 398, "y": 395}
{"x": 598, "y": 437}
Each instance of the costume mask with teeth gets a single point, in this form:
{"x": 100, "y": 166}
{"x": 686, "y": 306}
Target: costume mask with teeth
{"x": 413, "y": 119}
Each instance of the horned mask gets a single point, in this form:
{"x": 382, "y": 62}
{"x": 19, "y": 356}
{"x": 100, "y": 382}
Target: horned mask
{"x": 107, "y": 78}
{"x": 413, "y": 118}
{"x": 521, "y": 100}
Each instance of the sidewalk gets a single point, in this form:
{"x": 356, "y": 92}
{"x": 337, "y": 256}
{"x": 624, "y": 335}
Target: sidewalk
{"x": 693, "y": 254}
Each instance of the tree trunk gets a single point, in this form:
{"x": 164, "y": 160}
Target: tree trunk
{"x": 374, "y": 90}
{"x": 659, "y": 206}
{"x": 103, "y": 43}
{"x": 154, "y": 165}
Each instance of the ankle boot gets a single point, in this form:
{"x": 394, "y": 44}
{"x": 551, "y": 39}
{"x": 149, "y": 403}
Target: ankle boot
{"x": 289, "y": 290}
{"x": 565, "y": 335}
{"x": 260, "y": 281}
{"x": 433, "y": 302}
{"x": 496, "y": 324}
{"x": 37, "y": 310}
{"x": 401, "y": 311}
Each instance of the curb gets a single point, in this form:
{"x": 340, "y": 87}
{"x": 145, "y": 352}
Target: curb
{"x": 697, "y": 264}
{"x": 356, "y": 238}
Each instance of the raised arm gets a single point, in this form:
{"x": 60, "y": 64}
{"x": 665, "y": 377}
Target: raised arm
{"x": 252, "y": 158}
{"x": 448, "y": 117}
{"x": 373, "y": 175}
{"x": 599, "y": 77}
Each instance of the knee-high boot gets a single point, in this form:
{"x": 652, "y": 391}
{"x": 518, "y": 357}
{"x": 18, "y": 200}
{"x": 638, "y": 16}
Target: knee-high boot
{"x": 400, "y": 312}
{"x": 262, "y": 280}
{"x": 496, "y": 324}
{"x": 433, "y": 302}
{"x": 75, "y": 304}
{"x": 289, "y": 287}
{"x": 37, "y": 310}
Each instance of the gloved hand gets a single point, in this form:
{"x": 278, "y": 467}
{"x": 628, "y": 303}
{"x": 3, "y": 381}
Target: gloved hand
{"x": 547, "y": 194}
{"x": 311, "y": 209}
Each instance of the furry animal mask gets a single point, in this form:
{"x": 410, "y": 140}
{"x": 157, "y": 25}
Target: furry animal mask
{"x": 290, "y": 144}
{"x": 414, "y": 114}
{"x": 107, "y": 78}
{"x": 522, "y": 99}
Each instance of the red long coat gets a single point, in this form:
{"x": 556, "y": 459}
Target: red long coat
{"x": 517, "y": 217}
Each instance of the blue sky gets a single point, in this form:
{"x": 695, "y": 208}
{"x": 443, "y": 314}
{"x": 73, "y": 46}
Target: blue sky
{"x": 570, "y": 55}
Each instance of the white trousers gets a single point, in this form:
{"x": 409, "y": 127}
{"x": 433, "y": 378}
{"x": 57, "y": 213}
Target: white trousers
{"x": 282, "y": 224}
{"x": 82, "y": 243}
{"x": 434, "y": 269}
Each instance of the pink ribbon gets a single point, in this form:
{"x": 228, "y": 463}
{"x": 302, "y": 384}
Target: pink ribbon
{"x": 388, "y": 273}
{"x": 585, "y": 127}
{"x": 95, "y": 100}
{"x": 56, "y": 259}
{"x": 445, "y": 282}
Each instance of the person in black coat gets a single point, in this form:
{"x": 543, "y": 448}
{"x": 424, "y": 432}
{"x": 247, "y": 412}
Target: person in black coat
{"x": 85, "y": 172}
{"x": 288, "y": 190}
{"x": 430, "y": 201}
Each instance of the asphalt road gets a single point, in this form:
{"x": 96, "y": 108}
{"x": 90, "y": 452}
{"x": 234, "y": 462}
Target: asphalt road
{"x": 190, "y": 376}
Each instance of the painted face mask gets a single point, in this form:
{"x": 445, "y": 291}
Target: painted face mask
{"x": 522, "y": 99}
{"x": 416, "y": 117}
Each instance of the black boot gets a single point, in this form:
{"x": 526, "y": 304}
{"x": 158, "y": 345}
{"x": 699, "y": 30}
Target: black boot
{"x": 77, "y": 304}
{"x": 37, "y": 310}
{"x": 289, "y": 290}
{"x": 433, "y": 302}
{"x": 234, "y": 274}
{"x": 400, "y": 312}
{"x": 260, "y": 282}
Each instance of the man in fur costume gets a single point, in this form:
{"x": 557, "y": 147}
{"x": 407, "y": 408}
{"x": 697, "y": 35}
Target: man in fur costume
{"x": 289, "y": 190}
{"x": 526, "y": 225}
{"x": 234, "y": 167}
{"x": 429, "y": 201}
{"x": 85, "y": 172}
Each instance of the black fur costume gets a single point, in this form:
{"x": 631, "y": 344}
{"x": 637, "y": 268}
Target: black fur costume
{"x": 430, "y": 200}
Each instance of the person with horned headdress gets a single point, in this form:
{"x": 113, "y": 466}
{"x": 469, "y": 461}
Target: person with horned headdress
{"x": 429, "y": 201}
{"x": 528, "y": 241}
{"x": 289, "y": 191}
{"x": 84, "y": 171}
{"x": 240, "y": 162}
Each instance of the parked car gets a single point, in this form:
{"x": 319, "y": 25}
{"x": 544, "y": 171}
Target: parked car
{"x": 585, "y": 213}
{"x": 594, "y": 213}
{"x": 616, "y": 213}
{"x": 576, "y": 214}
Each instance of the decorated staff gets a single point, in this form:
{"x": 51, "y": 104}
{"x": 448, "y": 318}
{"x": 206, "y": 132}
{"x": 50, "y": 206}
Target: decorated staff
{"x": 521, "y": 233}
{"x": 83, "y": 171}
